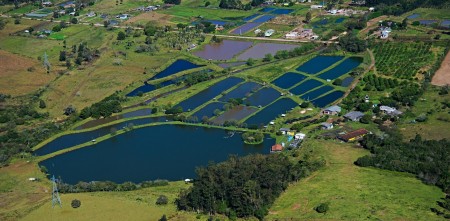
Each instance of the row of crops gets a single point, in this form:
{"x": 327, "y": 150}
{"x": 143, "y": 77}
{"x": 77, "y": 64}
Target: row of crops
{"x": 402, "y": 60}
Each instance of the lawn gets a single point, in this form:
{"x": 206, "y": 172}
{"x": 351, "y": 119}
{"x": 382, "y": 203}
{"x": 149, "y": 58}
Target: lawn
{"x": 354, "y": 193}
{"x": 188, "y": 14}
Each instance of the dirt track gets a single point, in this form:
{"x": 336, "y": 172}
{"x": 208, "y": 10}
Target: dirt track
{"x": 442, "y": 76}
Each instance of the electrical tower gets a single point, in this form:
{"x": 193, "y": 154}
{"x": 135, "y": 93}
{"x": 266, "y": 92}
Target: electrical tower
{"x": 55, "y": 194}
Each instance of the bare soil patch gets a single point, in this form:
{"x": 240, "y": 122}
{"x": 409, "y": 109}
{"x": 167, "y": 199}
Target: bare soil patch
{"x": 442, "y": 76}
{"x": 15, "y": 79}
{"x": 161, "y": 19}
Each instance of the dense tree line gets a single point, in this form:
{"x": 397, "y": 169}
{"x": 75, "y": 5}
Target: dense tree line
{"x": 352, "y": 43}
{"x": 104, "y": 108}
{"x": 231, "y": 4}
{"x": 428, "y": 159}
{"x": 243, "y": 187}
{"x": 198, "y": 77}
{"x": 96, "y": 186}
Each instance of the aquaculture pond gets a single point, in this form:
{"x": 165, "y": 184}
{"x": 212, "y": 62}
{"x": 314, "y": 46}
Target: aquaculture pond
{"x": 70, "y": 140}
{"x": 281, "y": 11}
{"x": 245, "y": 28}
{"x": 327, "y": 99}
{"x": 318, "y": 64}
{"x": 225, "y": 50}
{"x": 316, "y": 93}
{"x": 428, "y": 22}
{"x": 288, "y": 80}
{"x": 260, "y": 50}
{"x": 445, "y": 23}
{"x": 347, "y": 81}
{"x": 148, "y": 87}
{"x": 169, "y": 152}
{"x": 263, "y": 97}
{"x": 265, "y": 10}
{"x": 177, "y": 66}
{"x": 209, "y": 93}
{"x": 237, "y": 113}
{"x": 241, "y": 91}
{"x": 217, "y": 22}
{"x": 305, "y": 86}
{"x": 271, "y": 112}
{"x": 246, "y": 19}
{"x": 342, "y": 68}
{"x": 414, "y": 16}
{"x": 101, "y": 121}
{"x": 339, "y": 20}
{"x": 231, "y": 64}
{"x": 263, "y": 18}
{"x": 208, "y": 110}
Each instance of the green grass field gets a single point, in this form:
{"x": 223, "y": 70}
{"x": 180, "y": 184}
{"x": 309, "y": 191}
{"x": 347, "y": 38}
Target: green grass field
{"x": 429, "y": 13}
{"x": 354, "y": 193}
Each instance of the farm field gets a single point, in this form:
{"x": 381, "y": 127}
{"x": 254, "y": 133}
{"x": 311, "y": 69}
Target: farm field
{"x": 354, "y": 193}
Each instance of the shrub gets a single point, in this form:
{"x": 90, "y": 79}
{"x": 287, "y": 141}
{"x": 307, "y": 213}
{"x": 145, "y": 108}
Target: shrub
{"x": 322, "y": 208}
{"x": 75, "y": 203}
{"x": 162, "y": 200}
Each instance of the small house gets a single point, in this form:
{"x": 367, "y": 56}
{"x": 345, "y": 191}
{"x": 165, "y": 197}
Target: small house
{"x": 269, "y": 33}
{"x": 257, "y": 31}
{"x": 333, "y": 12}
{"x": 354, "y": 135}
{"x": 316, "y": 6}
{"x": 291, "y": 35}
{"x": 192, "y": 47}
{"x": 91, "y": 14}
{"x": 354, "y": 115}
{"x": 314, "y": 37}
{"x": 326, "y": 126}
{"x": 332, "y": 110}
{"x": 47, "y": 4}
{"x": 392, "y": 111}
{"x": 299, "y": 136}
{"x": 284, "y": 130}
{"x": 276, "y": 148}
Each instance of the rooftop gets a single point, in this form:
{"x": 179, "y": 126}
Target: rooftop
{"x": 348, "y": 136}
{"x": 277, "y": 147}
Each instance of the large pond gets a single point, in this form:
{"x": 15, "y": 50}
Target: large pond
{"x": 263, "y": 97}
{"x": 237, "y": 113}
{"x": 288, "y": 80}
{"x": 71, "y": 140}
{"x": 305, "y": 86}
{"x": 177, "y": 66}
{"x": 271, "y": 112}
{"x": 342, "y": 68}
{"x": 208, "y": 110}
{"x": 259, "y": 50}
{"x": 319, "y": 64}
{"x": 241, "y": 91}
{"x": 225, "y": 50}
{"x": 98, "y": 122}
{"x": 245, "y": 28}
{"x": 327, "y": 99}
{"x": 316, "y": 93}
{"x": 169, "y": 152}
{"x": 209, "y": 93}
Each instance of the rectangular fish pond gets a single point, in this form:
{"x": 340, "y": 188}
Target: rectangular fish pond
{"x": 281, "y": 11}
{"x": 264, "y": 18}
{"x": 225, "y": 50}
{"x": 327, "y": 99}
{"x": 177, "y": 66}
{"x": 241, "y": 91}
{"x": 70, "y": 140}
{"x": 208, "y": 110}
{"x": 237, "y": 113}
{"x": 245, "y": 28}
{"x": 342, "y": 68}
{"x": 305, "y": 86}
{"x": 317, "y": 93}
{"x": 248, "y": 18}
{"x": 98, "y": 122}
{"x": 318, "y": 64}
{"x": 169, "y": 152}
{"x": 209, "y": 93}
{"x": 260, "y": 50}
{"x": 288, "y": 80}
{"x": 271, "y": 112}
{"x": 263, "y": 97}
{"x": 148, "y": 88}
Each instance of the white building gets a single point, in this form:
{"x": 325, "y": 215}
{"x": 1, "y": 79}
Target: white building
{"x": 299, "y": 136}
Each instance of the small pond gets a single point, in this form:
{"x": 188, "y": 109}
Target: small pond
{"x": 271, "y": 112}
{"x": 281, "y": 11}
{"x": 241, "y": 91}
{"x": 265, "y": 10}
{"x": 305, "y": 86}
{"x": 319, "y": 64}
{"x": 169, "y": 152}
{"x": 264, "y": 18}
{"x": 148, "y": 88}
{"x": 245, "y": 28}
{"x": 177, "y": 66}
{"x": 208, "y": 110}
{"x": 445, "y": 23}
{"x": 71, "y": 140}
{"x": 98, "y": 122}
{"x": 246, "y": 19}
{"x": 260, "y": 50}
{"x": 263, "y": 97}
{"x": 209, "y": 93}
{"x": 288, "y": 80}
{"x": 428, "y": 22}
{"x": 342, "y": 68}
{"x": 347, "y": 81}
{"x": 327, "y": 99}
{"x": 316, "y": 93}
{"x": 225, "y": 50}
{"x": 413, "y": 16}
{"x": 339, "y": 20}
{"x": 236, "y": 113}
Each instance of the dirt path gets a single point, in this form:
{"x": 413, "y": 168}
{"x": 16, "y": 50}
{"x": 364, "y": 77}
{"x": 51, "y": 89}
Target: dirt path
{"x": 442, "y": 76}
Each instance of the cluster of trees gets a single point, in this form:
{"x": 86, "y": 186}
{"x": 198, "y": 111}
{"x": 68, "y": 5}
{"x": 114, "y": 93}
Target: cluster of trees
{"x": 96, "y": 186}
{"x": 81, "y": 54}
{"x": 428, "y": 159}
{"x": 231, "y": 4}
{"x": 251, "y": 137}
{"x": 352, "y": 43}
{"x": 243, "y": 187}
{"x": 3, "y": 23}
{"x": 198, "y": 77}
{"x": 104, "y": 108}
{"x": 299, "y": 126}
{"x": 175, "y": 2}
{"x": 373, "y": 82}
